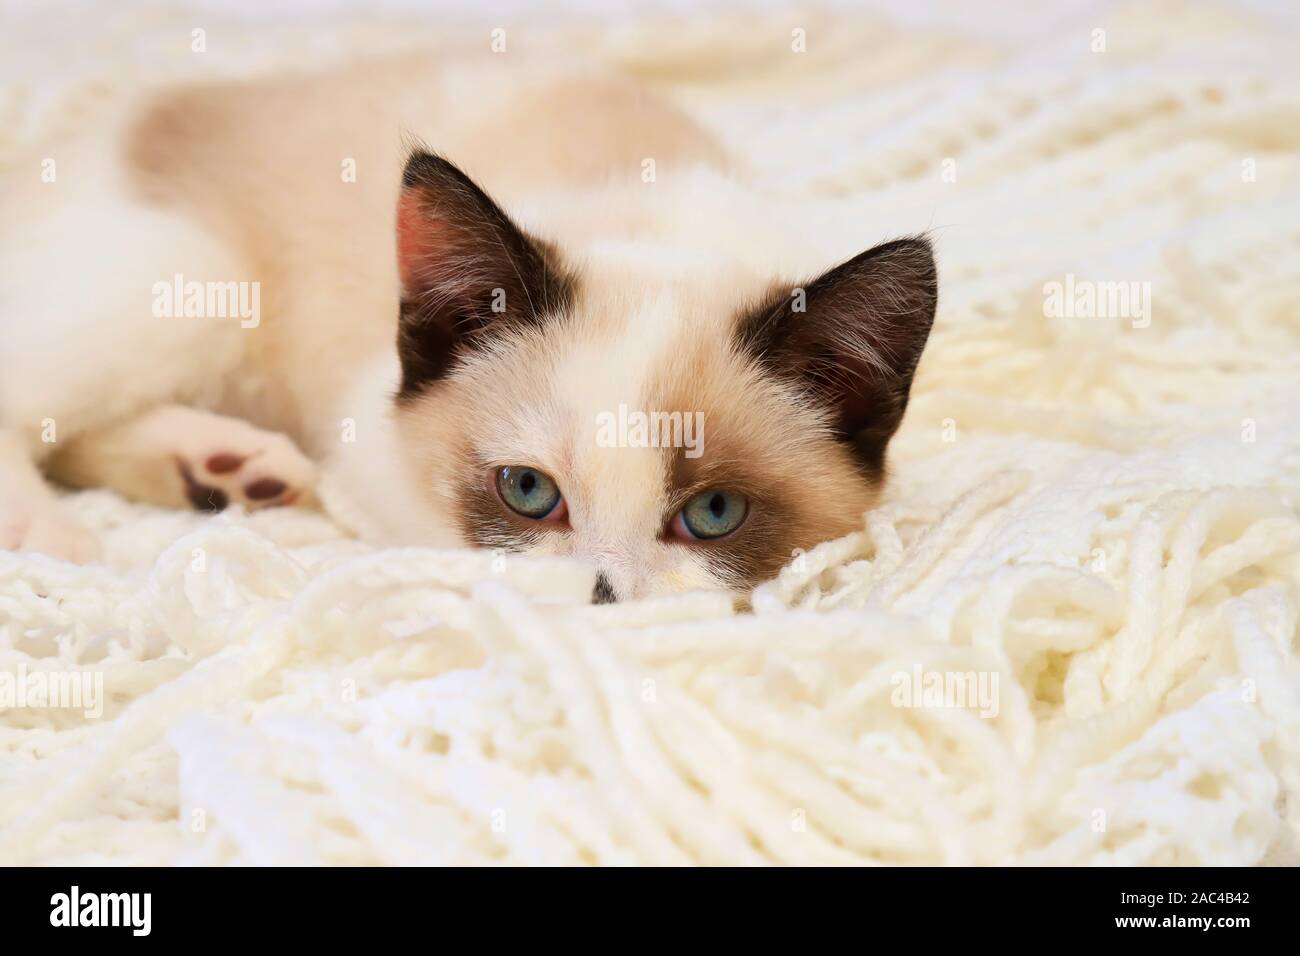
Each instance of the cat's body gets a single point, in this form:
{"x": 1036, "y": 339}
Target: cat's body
{"x": 510, "y": 351}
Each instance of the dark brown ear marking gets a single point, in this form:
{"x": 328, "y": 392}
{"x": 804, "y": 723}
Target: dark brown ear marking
{"x": 466, "y": 269}
{"x": 856, "y": 341}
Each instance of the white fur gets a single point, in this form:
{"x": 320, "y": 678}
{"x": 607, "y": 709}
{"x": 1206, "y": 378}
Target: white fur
{"x": 79, "y": 345}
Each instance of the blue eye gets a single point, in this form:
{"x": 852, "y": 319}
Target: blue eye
{"x": 713, "y": 514}
{"x": 527, "y": 491}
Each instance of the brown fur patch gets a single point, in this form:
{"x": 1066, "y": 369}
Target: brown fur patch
{"x": 802, "y": 485}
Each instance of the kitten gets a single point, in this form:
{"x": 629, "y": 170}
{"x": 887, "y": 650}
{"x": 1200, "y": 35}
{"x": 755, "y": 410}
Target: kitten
{"x": 229, "y": 290}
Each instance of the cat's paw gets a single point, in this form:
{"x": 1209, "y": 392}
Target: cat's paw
{"x": 46, "y": 526}
{"x": 261, "y": 471}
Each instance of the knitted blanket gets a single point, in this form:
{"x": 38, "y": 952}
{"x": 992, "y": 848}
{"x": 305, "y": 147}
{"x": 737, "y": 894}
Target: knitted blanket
{"x": 1068, "y": 636}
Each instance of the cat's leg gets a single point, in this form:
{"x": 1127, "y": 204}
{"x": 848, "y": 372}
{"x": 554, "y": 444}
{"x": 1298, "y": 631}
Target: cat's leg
{"x": 188, "y": 458}
{"x": 87, "y": 337}
{"x": 31, "y": 517}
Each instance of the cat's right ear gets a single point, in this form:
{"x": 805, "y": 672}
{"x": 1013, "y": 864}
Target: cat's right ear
{"x": 466, "y": 270}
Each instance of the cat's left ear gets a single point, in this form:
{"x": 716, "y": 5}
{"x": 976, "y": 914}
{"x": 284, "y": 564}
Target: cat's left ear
{"x": 851, "y": 339}
{"x": 467, "y": 271}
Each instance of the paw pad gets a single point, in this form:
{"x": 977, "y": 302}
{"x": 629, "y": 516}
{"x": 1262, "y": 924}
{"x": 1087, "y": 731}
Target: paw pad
{"x": 275, "y": 474}
{"x": 265, "y": 488}
{"x": 223, "y": 463}
{"x": 202, "y": 497}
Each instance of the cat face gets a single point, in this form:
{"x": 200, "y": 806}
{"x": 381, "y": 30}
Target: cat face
{"x": 679, "y": 431}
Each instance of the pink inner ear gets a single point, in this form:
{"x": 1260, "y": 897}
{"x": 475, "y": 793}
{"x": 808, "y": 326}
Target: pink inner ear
{"x": 418, "y": 238}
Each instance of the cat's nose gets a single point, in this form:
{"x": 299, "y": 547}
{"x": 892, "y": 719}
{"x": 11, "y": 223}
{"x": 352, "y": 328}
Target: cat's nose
{"x": 603, "y": 592}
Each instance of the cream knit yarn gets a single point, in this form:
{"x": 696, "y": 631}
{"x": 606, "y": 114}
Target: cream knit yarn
{"x": 1093, "y": 524}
